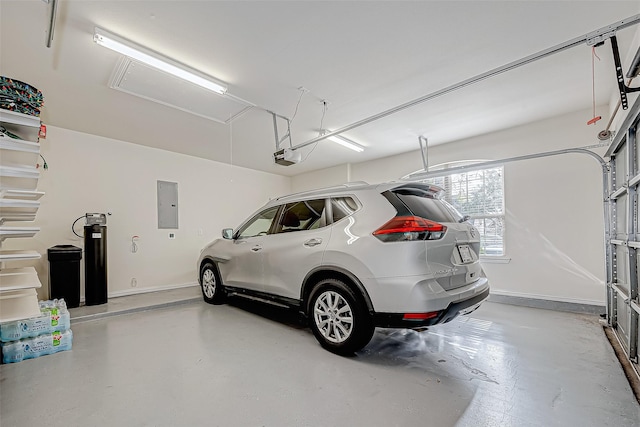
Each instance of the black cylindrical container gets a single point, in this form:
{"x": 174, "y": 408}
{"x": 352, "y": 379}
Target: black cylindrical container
{"x": 95, "y": 264}
{"x": 64, "y": 273}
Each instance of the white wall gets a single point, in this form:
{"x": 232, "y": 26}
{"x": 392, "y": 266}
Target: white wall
{"x": 94, "y": 174}
{"x": 554, "y": 228}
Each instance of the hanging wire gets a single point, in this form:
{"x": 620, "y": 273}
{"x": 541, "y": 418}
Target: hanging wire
{"x": 320, "y": 132}
{"x": 324, "y": 112}
{"x": 594, "y": 55}
{"x": 295, "y": 113}
{"x": 302, "y": 92}
{"x": 593, "y": 77}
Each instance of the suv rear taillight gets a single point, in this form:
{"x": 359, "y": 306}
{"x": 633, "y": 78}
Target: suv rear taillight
{"x": 402, "y": 228}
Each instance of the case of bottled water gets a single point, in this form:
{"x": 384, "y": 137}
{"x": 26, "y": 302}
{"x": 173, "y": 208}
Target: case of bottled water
{"x": 30, "y": 348}
{"x": 55, "y": 317}
{"x": 30, "y": 338}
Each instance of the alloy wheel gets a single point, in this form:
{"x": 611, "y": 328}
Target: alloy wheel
{"x": 208, "y": 283}
{"x": 333, "y": 316}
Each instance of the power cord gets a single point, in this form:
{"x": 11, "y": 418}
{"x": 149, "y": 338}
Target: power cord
{"x": 45, "y": 165}
{"x": 74, "y": 224}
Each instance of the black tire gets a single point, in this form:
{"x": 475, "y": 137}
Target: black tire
{"x": 212, "y": 290}
{"x": 339, "y": 318}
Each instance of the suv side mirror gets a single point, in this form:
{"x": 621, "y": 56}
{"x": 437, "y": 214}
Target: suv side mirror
{"x": 227, "y": 233}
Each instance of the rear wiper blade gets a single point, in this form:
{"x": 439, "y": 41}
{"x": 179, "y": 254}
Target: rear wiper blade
{"x": 464, "y": 218}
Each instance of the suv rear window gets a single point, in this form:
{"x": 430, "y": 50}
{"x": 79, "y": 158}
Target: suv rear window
{"x": 423, "y": 204}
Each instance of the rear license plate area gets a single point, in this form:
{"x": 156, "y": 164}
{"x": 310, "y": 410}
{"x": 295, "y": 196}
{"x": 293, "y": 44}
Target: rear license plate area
{"x": 465, "y": 254}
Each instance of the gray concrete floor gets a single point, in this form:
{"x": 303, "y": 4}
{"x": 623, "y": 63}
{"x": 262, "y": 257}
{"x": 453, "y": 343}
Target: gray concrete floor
{"x": 245, "y": 365}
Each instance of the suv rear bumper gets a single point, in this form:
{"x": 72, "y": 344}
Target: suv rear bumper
{"x": 397, "y": 320}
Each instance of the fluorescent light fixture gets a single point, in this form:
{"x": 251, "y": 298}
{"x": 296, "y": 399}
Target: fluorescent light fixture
{"x": 346, "y": 143}
{"x": 155, "y": 60}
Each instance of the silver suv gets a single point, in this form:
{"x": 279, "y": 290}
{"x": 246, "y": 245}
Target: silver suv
{"x": 351, "y": 258}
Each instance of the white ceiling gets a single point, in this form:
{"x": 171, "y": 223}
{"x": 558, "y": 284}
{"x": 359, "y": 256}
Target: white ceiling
{"x": 362, "y": 57}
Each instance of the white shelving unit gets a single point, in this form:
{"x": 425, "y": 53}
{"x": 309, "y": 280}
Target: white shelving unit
{"x": 18, "y": 210}
{"x": 19, "y": 202}
{"x": 7, "y": 256}
{"x": 7, "y": 143}
{"x": 10, "y": 119}
{"x": 21, "y": 194}
{"x": 7, "y": 232}
{"x": 15, "y": 279}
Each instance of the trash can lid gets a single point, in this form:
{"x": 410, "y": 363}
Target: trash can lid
{"x": 64, "y": 253}
{"x": 64, "y": 248}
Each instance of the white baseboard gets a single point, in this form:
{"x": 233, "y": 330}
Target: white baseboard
{"x": 136, "y": 291}
{"x": 549, "y": 297}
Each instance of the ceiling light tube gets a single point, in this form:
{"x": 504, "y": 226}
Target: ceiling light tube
{"x": 346, "y": 143}
{"x": 155, "y": 60}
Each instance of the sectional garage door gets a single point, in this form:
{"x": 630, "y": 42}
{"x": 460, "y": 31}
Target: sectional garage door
{"x": 623, "y": 235}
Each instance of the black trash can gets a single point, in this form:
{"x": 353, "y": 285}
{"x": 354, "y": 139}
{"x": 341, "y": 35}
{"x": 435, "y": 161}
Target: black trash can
{"x": 64, "y": 273}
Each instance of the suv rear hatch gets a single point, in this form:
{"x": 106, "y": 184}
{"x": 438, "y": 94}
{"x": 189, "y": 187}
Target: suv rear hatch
{"x": 452, "y": 244}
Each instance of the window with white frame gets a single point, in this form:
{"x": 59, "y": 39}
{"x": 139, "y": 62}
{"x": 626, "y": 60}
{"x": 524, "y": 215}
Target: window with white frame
{"x": 479, "y": 194}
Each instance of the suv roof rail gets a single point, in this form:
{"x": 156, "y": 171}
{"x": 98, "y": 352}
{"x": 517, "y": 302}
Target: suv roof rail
{"x": 322, "y": 190}
{"x": 355, "y": 183}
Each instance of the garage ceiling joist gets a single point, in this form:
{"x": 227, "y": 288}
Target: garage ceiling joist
{"x": 598, "y": 36}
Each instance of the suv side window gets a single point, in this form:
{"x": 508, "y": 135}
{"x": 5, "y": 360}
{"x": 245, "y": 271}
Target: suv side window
{"x": 303, "y": 215}
{"x": 260, "y": 224}
{"x": 343, "y": 207}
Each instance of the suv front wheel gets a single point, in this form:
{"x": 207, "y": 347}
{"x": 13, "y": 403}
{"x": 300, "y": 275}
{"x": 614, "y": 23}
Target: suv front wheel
{"x": 212, "y": 290}
{"x": 338, "y": 318}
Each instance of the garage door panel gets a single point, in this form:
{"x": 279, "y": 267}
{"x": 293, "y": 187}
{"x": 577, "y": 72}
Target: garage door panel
{"x": 621, "y": 217}
{"x": 625, "y": 232}
{"x": 622, "y": 267}
{"x": 621, "y": 163}
{"x": 623, "y": 322}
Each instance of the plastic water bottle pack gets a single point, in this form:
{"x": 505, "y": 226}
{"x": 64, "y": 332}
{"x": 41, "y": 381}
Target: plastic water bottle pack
{"x": 30, "y": 348}
{"x": 55, "y": 317}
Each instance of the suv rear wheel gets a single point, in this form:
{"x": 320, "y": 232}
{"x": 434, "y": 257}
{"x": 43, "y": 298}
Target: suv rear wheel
{"x": 212, "y": 290}
{"x": 338, "y": 318}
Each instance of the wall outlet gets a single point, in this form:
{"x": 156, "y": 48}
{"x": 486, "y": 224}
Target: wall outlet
{"x": 200, "y": 232}
{"x": 172, "y": 235}
{"x": 134, "y": 282}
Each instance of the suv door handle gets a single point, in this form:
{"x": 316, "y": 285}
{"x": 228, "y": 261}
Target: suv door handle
{"x": 312, "y": 242}
{"x": 256, "y": 248}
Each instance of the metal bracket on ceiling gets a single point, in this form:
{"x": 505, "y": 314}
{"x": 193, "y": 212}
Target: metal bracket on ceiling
{"x": 425, "y": 152}
{"x": 597, "y": 38}
{"x": 275, "y": 130}
{"x": 53, "y": 9}
{"x": 622, "y": 87}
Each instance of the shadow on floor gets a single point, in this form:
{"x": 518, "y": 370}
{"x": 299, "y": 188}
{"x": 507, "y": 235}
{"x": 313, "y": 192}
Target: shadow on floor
{"x": 387, "y": 346}
{"x": 286, "y": 316}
